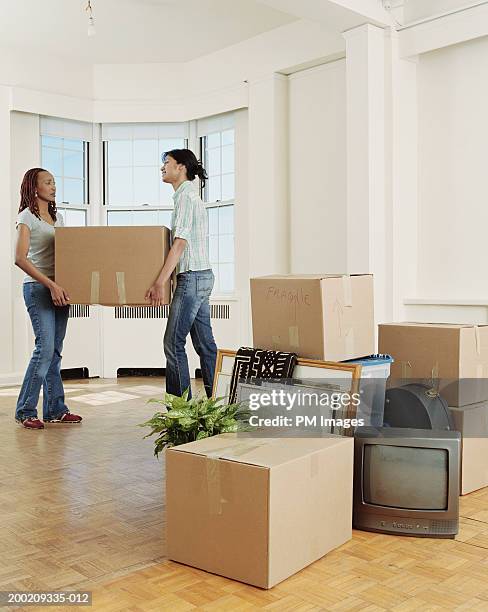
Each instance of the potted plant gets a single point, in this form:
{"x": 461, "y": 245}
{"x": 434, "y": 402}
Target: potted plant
{"x": 186, "y": 420}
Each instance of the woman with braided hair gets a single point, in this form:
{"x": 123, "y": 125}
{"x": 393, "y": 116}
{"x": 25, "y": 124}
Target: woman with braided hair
{"x": 47, "y": 303}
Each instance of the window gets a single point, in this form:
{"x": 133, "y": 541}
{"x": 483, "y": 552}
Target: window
{"x": 134, "y": 193}
{"x": 133, "y": 172}
{"x": 218, "y": 152}
{"x": 67, "y": 160}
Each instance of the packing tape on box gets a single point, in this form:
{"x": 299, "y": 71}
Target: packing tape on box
{"x": 347, "y": 290}
{"x": 477, "y": 339}
{"x": 349, "y": 343}
{"x": 120, "y": 277}
{"x": 406, "y": 369}
{"x": 293, "y": 336}
{"x": 276, "y": 342}
{"x": 95, "y": 287}
{"x": 213, "y": 464}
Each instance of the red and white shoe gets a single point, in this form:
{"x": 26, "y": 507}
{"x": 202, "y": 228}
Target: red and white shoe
{"x": 31, "y": 423}
{"x": 67, "y": 417}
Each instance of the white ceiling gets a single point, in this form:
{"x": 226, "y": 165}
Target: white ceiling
{"x": 133, "y": 31}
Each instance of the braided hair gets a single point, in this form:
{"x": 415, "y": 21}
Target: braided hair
{"x": 28, "y": 198}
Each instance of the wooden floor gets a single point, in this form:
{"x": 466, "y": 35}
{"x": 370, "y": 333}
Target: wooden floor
{"x": 82, "y": 507}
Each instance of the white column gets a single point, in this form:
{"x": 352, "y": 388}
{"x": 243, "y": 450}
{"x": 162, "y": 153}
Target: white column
{"x": 268, "y": 207}
{"x": 403, "y": 154}
{"x": 6, "y": 252}
{"x": 366, "y": 176}
{"x": 24, "y": 154}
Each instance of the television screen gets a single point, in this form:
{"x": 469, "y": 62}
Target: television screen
{"x": 406, "y": 477}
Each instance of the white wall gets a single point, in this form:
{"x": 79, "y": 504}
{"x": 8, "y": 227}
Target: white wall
{"x": 453, "y": 184}
{"x": 45, "y": 73}
{"x": 317, "y": 169}
{"x": 421, "y": 9}
{"x": 6, "y": 334}
{"x": 25, "y": 153}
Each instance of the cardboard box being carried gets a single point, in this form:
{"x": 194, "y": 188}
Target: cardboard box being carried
{"x": 110, "y": 265}
{"x": 258, "y": 510}
{"x": 472, "y": 422}
{"x": 456, "y": 355}
{"x": 328, "y": 317}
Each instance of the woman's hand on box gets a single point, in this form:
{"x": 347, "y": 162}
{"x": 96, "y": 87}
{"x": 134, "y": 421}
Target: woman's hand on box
{"x": 58, "y": 295}
{"x": 155, "y": 294}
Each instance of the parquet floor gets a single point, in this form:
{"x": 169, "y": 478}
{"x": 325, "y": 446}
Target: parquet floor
{"x": 82, "y": 507}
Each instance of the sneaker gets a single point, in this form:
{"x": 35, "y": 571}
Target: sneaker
{"x": 67, "y": 417}
{"x": 31, "y": 423}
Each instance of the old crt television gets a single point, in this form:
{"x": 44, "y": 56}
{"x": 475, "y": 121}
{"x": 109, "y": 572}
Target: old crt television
{"x": 406, "y": 481}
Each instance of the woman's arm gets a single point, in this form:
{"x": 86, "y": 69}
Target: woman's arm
{"x": 155, "y": 292}
{"x": 58, "y": 294}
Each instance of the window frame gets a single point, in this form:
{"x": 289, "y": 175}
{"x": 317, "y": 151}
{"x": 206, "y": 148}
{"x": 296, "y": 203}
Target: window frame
{"x": 64, "y": 206}
{"x": 219, "y": 204}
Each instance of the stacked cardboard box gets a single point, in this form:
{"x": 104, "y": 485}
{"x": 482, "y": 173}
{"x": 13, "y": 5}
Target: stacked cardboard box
{"x": 328, "y": 317}
{"x": 456, "y": 356}
{"x": 258, "y": 510}
{"x": 111, "y": 266}
{"x": 472, "y": 422}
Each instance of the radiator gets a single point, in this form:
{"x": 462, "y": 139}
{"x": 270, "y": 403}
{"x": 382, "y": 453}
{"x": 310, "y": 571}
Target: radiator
{"x": 104, "y": 339}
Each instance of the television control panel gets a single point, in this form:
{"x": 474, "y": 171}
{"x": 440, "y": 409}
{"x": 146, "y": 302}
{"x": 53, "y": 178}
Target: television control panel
{"x": 409, "y": 526}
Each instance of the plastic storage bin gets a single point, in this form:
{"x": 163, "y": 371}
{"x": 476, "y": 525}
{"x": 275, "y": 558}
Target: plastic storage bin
{"x": 375, "y": 371}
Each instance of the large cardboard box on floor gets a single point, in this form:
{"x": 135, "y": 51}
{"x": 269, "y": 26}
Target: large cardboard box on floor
{"x": 457, "y": 355}
{"x": 111, "y": 266}
{"x": 472, "y": 422}
{"x": 328, "y": 317}
{"x": 258, "y": 510}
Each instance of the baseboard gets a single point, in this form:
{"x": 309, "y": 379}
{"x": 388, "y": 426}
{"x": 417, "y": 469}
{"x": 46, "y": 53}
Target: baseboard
{"x": 15, "y": 378}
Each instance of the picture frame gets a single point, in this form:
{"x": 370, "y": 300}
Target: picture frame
{"x": 305, "y": 369}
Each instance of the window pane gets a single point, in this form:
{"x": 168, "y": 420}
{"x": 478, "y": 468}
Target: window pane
{"x": 166, "y": 192}
{"x": 120, "y": 186}
{"x": 226, "y": 249}
{"x": 145, "y": 217}
{"x": 213, "y": 221}
{"x": 228, "y": 190}
{"x": 73, "y": 191}
{"x": 76, "y": 145}
{"x": 164, "y": 217}
{"x": 74, "y": 218}
{"x": 213, "y": 162}
{"x": 120, "y": 153}
{"x": 74, "y": 164}
{"x": 228, "y": 137}
{"x": 52, "y": 160}
{"x": 213, "y": 140}
{"x": 59, "y": 188}
{"x": 51, "y": 141}
{"x": 228, "y": 159}
{"x": 166, "y": 144}
{"x": 146, "y": 185}
{"x": 226, "y": 220}
{"x": 226, "y": 274}
{"x": 213, "y": 189}
{"x": 119, "y": 217}
{"x": 146, "y": 153}
{"x": 213, "y": 249}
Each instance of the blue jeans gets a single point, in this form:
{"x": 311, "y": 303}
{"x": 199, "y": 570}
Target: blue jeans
{"x": 190, "y": 314}
{"x": 49, "y": 323}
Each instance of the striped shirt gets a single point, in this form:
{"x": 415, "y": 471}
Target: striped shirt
{"x": 189, "y": 221}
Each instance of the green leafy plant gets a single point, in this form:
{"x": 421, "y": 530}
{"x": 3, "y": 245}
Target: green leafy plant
{"x": 186, "y": 420}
